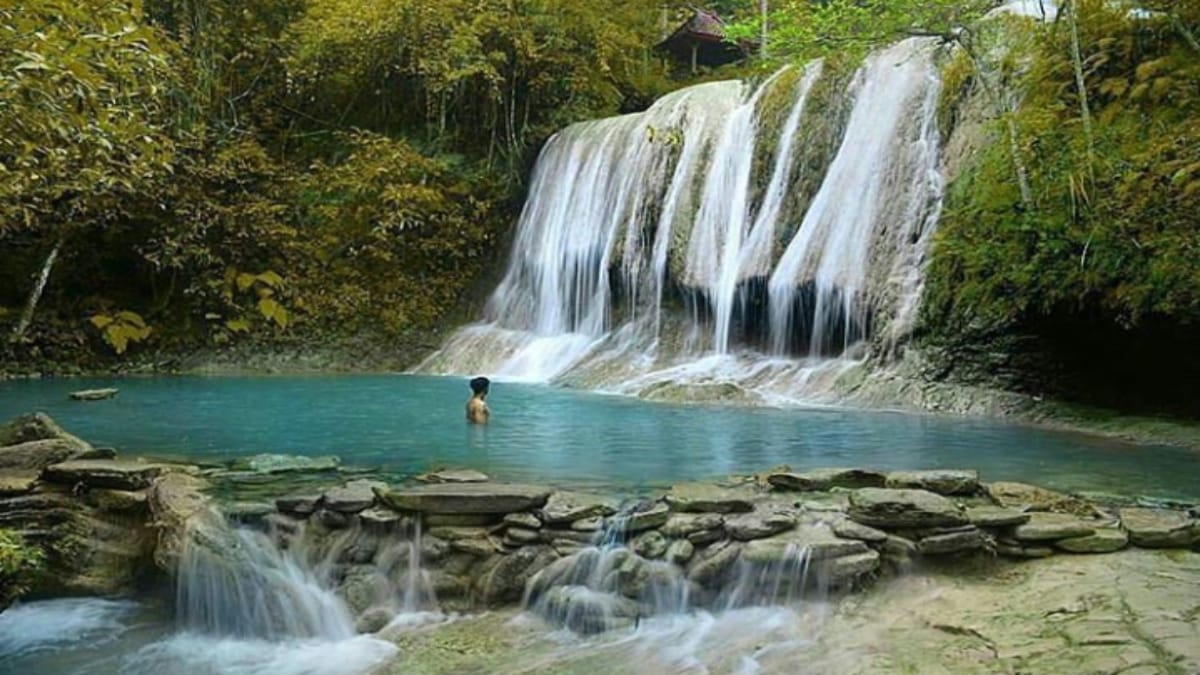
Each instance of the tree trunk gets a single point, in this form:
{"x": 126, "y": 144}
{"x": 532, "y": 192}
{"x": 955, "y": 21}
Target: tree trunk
{"x": 763, "y": 48}
{"x": 35, "y": 296}
{"x": 1084, "y": 109}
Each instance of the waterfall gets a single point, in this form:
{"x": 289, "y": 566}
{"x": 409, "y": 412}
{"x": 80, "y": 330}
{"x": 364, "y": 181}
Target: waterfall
{"x": 652, "y": 248}
{"x": 244, "y": 586}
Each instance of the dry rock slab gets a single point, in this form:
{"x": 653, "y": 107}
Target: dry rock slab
{"x": 94, "y": 394}
{"x": 757, "y": 525}
{"x": 353, "y": 497}
{"x": 1105, "y": 540}
{"x": 108, "y": 473}
{"x": 942, "y": 482}
{"x": 567, "y": 507}
{"x": 896, "y": 509}
{"x": 466, "y": 498}
{"x": 1045, "y": 527}
{"x": 817, "y": 542}
{"x": 996, "y": 516}
{"x": 704, "y": 498}
{"x": 1158, "y": 528}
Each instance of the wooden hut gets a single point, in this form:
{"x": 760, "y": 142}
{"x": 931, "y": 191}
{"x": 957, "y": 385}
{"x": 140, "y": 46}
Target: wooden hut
{"x": 700, "y": 41}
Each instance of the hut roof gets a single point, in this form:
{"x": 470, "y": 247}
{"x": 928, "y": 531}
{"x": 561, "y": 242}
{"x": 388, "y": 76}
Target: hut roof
{"x": 704, "y": 32}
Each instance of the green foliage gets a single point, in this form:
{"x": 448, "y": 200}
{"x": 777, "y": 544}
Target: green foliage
{"x": 802, "y": 29}
{"x": 121, "y": 329}
{"x": 1112, "y": 232}
{"x": 20, "y": 563}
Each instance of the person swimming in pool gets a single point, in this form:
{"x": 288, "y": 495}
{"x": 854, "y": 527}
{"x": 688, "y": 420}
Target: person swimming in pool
{"x": 477, "y": 409}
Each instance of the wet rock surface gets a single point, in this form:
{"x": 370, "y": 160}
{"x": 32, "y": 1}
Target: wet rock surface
{"x": 946, "y": 482}
{"x": 819, "y": 480}
{"x": 903, "y": 508}
{"x": 466, "y": 498}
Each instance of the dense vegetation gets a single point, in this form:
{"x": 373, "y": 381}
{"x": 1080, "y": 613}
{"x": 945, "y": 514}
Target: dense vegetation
{"x": 201, "y": 172}
{"x": 20, "y": 563}
{"x": 1083, "y": 232}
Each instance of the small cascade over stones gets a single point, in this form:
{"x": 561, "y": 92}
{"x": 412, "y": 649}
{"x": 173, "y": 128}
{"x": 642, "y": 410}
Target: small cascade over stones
{"x": 244, "y": 586}
{"x": 676, "y": 247}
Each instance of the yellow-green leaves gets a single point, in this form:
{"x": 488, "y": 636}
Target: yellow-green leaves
{"x": 121, "y": 329}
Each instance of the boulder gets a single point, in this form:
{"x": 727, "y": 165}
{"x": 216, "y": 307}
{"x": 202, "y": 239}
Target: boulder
{"x": 523, "y": 519}
{"x": 967, "y": 539}
{"x": 680, "y": 525}
{"x": 848, "y": 529}
{"x": 37, "y": 455}
{"x": 379, "y": 516}
{"x": 458, "y": 533}
{"x": 521, "y": 536}
{"x": 301, "y": 505}
{"x": 680, "y": 552}
{"x": 709, "y": 567}
{"x": 1051, "y": 526}
{"x": 649, "y": 544}
{"x": 503, "y": 577}
{"x": 271, "y": 463}
{"x": 1103, "y": 540}
{"x": 646, "y": 516}
{"x": 1033, "y": 498}
{"x": 466, "y": 498}
{"x": 588, "y": 525}
{"x": 1015, "y": 549}
{"x": 118, "y": 501}
{"x": 373, "y": 620}
{"x": 19, "y": 483}
{"x": 706, "y": 537}
{"x": 478, "y": 547}
{"x": 93, "y": 394}
{"x": 819, "y": 542}
{"x": 758, "y": 525}
{"x": 586, "y": 611}
{"x": 1158, "y": 528}
{"x": 566, "y": 507}
{"x": 353, "y": 497}
{"x": 182, "y": 515}
{"x": 820, "y": 480}
{"x": 942, "y": 482}
{"x": 453, "y": 476}
{"x": 848, "y": 569}
{"x": 110, "y": 473}
{"x": 706, "y": 498}
{"x": 35, "y": 427}
{"x": 887, "y": 508}
{"x": 996, "y": 516}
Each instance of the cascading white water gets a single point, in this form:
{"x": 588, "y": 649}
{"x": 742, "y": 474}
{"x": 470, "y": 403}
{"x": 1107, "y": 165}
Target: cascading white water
{"x": 643, "y": 234}
{"x": 875, "y": 197}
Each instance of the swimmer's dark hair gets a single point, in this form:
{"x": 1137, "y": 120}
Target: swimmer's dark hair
{"x": 480, "y": 385}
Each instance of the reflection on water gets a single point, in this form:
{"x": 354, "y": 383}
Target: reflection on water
{"x": 411, "y": 423}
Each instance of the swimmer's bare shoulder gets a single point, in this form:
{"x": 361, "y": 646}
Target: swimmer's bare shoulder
{"x": 477, "y": 411}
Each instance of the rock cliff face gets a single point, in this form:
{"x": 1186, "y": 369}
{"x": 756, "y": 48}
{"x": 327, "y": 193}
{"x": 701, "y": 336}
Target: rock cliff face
{"x": 99, "y": 521}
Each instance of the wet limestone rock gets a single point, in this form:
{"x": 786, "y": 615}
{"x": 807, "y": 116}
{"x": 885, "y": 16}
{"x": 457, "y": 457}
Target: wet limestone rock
{"x": 895, "y": 509}
{"x": 300, "y": 505}
{"x": 566, "y": 507}
{"x": 707, "y": 498}
{"x": 961, "y": 541}
{"x": 585, "y": 611}
{"x": 1046, "y": 527}
{"x": 820, "y": 542}
{"x": 471, "y": 499}
{"x": 680, "y": 525}
{"x": 525, "y": 520}
{"x": 646, "y": 516}
{"x": 680, "y": 552}
{"x": 503, "y": 577}
{"x": 454, "y": 476}
{"x": 709, "y": 567}
{"x": 1015, "y": 549}
{"x": 181, "y": 513}
{"x": 1103, "y": 540}
{"x": 848, "y": 529}
{"x": 37, "y": 455}
{"x": 849, "y": 569}
{"x": 379, "y": 516}
{"x": 353, "y": 497}
{"x": 650, "y": 544}
{"x": 121, "y": 474}
{"x": 35, "y": 427}
{"x": 942, "y": 482}
{"x": 996, "y": 516}
{"x": 18, "y": 483}
{"x": 117, "y": 501}
{"x": 1158, "y": 528}
{"x": 820, "y": 480}
{"x": 758, "y": 525}
{"x": 94, "y": 394}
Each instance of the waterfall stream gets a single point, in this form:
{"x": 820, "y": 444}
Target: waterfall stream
{"x": 652, "y": 249}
